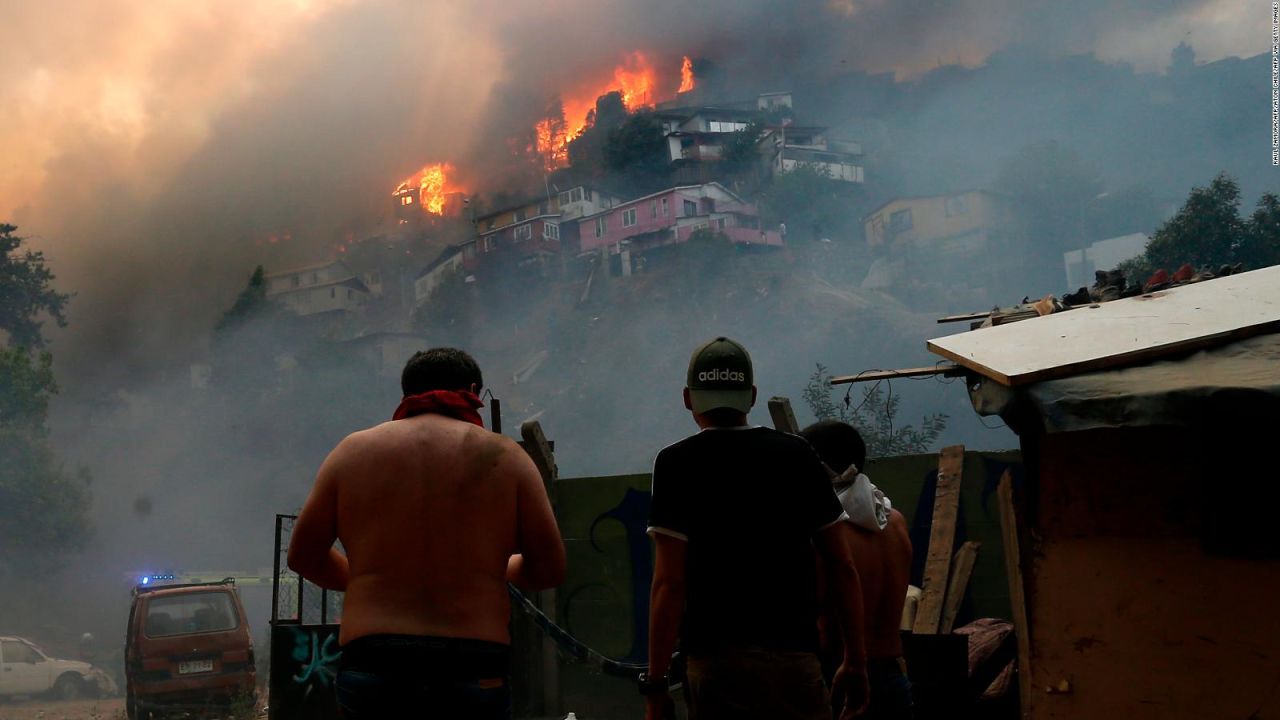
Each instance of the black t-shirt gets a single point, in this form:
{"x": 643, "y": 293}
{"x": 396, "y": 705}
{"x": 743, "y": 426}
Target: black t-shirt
{"x": 748, "y": 502}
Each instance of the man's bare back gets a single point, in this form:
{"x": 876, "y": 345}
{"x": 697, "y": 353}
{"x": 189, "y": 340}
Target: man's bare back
{"x": 884, "y": 564}
{"x": 433, "y": 514}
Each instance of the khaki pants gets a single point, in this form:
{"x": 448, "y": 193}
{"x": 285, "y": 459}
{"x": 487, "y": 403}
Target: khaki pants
{"x": 751, "y": 682}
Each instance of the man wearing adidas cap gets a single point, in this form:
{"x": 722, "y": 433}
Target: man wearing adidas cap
{"x": 737, "y": 512}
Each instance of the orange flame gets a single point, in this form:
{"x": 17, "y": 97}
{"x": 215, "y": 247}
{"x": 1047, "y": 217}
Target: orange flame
{"x": 686, "y": 75}
{"x": 634, "y": 78}
{"x": 432, "y": 184}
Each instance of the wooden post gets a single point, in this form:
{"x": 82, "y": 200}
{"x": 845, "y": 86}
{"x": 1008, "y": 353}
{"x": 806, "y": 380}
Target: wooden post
{"x": 783, "y": 418}
{"x": 942, "y": 535}
{"x": 1017, "y": 593}
{"x": 961, "y": 571}
{"x": 535, "y": 443}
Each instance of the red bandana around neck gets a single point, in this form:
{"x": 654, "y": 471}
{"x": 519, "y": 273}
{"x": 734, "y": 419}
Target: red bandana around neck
{"x": 456, "y": 404}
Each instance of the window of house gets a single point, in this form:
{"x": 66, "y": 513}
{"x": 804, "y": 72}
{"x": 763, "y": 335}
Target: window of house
{"x": 664, "y": 207}
{"x": 564, "y": 198}
{"x": 653, "y": 209}
{"x": 551, "y": 231}
{"x": 523, "y": 232}
{"x": 602, "y": 225}
{"x": 720, "y": 223}
{"x": 351, "y": 294}
{"x": 900, "y": 221}
{"x": 315, "y": 278}
{"x": 628, "y": 217}
{"x": 957, "y": 205}
{"x": 690, "y": 208}
{"x": 488, "y": 243}
{"x": 333, "y": 293}
{"x": 295, "y": 280}
{"x": 520, "y": 214}
{"x": 406, "y": 200}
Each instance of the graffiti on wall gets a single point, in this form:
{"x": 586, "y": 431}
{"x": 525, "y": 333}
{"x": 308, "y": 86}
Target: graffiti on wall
{"x": 304, "y": 667}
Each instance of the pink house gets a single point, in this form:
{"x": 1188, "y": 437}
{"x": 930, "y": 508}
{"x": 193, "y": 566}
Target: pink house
{"x": 671, "y": 216}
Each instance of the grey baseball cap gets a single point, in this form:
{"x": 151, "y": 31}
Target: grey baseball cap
{"x": 720, "y": 376}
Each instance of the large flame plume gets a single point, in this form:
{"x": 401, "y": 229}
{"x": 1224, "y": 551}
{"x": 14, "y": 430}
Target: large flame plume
{"x": 432, "y": 183}
{"x": 634, "y": 78}
{"x": 686, "y": 75}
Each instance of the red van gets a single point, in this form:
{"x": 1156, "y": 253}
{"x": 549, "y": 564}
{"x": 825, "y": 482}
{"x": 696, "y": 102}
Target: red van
{"x": 188, "y": 648}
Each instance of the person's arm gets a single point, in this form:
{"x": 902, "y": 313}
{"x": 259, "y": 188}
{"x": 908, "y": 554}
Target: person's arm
{"x": 849, "y": 686}
{"x": 540, "y": 562}
{"x": 666, "y": 607}
{"x": 311, "y": 551}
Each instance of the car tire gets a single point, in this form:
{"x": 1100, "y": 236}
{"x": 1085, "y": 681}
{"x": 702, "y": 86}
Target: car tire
{"x": 68, "y": 687}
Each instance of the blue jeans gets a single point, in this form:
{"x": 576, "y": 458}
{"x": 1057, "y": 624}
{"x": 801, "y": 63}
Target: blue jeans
{"x": 890, "y": 691}
{"x": 401, "y": 676}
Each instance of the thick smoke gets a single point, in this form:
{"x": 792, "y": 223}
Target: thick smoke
{"x": 151, "y": 151}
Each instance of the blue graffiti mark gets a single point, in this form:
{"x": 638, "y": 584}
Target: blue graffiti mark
{"x": 319, "y": 660}
{"x": 633, "y": 513}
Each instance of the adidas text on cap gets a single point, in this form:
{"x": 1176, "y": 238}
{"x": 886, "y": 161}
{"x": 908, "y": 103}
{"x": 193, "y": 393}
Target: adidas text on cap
{"x": 720, "y": 376}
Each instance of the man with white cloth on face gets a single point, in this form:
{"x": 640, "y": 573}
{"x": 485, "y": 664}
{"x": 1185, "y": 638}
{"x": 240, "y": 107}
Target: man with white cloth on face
{"x": 881, "y": 547}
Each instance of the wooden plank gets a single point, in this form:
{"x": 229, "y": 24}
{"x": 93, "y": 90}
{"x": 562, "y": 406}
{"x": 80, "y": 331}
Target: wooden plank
{"x": 962, "y": 569}
{"x": 965, "y": 317}
{"x": 1121, "y": 332}
{"x": 944, "y": 370}
{"x": 783, "y": 418}
{"x": 1017, "y": 591}
{"x": 535, "y": 443}
{"x": 942, "y": 534}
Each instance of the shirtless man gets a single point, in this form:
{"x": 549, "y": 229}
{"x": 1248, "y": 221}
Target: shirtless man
{"x": 884, "y": 565}
{"x": 435, "y": 516}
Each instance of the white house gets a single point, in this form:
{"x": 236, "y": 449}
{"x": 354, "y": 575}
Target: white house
{"x": 328, "y": 287}
{"x": 448, "y": 262}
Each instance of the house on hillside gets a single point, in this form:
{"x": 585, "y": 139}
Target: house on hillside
{"x": 449, "y": 262}
{"x": 527, "y": 233}
{"x": 577, "y": 202}
{"x": 329, "y": 287}
{"x": 670, "y": 217}
{"x": 697, "y": 135}
{"x": 972, "y": 239}
{"x": 785, "y": 147}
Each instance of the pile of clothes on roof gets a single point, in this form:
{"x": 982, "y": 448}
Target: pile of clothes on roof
{"x": 1112, "y": 285}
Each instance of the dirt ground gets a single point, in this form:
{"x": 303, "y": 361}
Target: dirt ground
{"x": 106, "y": 709}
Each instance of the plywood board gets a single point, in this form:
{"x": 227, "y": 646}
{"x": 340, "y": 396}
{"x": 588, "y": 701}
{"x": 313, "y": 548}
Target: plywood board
{"x": 1121, "y": 332}
{"x": 961, "y": 570}
{"x": 942, "y": 536}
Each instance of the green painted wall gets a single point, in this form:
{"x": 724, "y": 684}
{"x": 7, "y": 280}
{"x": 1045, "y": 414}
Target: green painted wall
{"x": 604, "y": 601}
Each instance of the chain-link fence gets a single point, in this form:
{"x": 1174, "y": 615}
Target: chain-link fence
{"x": 295, "y": 600}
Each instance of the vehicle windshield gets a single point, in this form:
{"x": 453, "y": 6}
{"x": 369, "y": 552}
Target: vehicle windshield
{"x": 191, "y": 613}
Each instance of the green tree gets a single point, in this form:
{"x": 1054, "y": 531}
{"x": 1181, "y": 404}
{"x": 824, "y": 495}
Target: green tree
{"x": 635, "y": 153}
{"x": 586, "y": 152}
{"x": 874, "y": 417}
{"x": 807, "y": 199}
{"x": 1261, "y": 244}
{"x": 25, "y": 292}
{"x": 1206, "y": 230}
{"x": 44, "y": 509}
{"x": 740, "y": 153}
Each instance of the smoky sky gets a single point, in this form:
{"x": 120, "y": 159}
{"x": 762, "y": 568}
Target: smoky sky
{"x": 149, "y": 150}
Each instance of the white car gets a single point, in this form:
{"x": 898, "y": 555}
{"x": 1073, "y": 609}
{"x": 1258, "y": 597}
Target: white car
{"x": 26, "y": 670}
